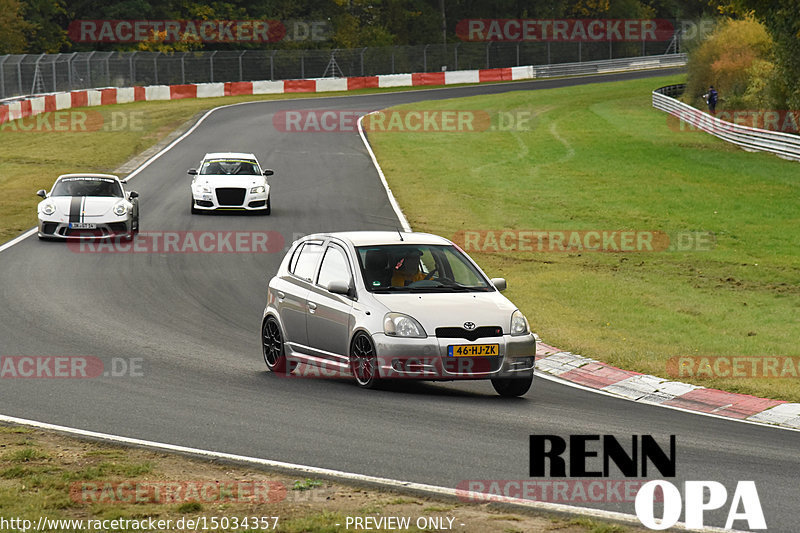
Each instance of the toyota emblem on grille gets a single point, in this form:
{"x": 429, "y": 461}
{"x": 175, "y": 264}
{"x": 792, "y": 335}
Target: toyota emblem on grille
{"x": 469, "y": 326}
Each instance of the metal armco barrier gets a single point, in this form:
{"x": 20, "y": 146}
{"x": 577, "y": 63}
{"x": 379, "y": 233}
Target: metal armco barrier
{"x": 785, "y": 145}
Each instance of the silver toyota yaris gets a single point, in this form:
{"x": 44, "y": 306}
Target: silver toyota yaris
{"x": 391, "y": 305}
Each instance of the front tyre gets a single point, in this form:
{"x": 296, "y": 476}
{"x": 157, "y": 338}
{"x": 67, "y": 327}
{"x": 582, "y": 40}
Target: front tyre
{"x": 272, "y": 347}
{"x": 194, "y": 209}
{"x": 511, "y": 387}
{"x": 268, "y": 210}
{"x": 364, "y": 361}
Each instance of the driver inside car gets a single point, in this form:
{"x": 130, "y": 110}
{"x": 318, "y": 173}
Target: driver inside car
{"x": 407, "y": 270}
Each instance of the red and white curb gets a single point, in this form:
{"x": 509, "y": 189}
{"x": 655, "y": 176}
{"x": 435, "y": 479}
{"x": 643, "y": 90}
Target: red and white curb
{"x": 32, "y": 106}
{"x": 645, "y": 388}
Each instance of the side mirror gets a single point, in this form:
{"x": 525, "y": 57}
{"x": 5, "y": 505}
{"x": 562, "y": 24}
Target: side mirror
{"x": 42, "y": 193}
{"x": 269, "y": 172}
{"x": 192, "y": 171}
{"x": 499, "y": 283}
{"x": 338, "y": 287}
{"x": 133, "y": 194}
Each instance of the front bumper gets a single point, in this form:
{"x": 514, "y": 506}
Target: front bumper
{"x": 58, "y": 229}
{"x": 209, "y": 201}
{"x": 428, "y": 359}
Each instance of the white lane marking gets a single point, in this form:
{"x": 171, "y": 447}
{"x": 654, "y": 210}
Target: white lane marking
{"x": 396, "y": 484}
{"x": 19, "y": 238}
{"x": 392, "y": 201}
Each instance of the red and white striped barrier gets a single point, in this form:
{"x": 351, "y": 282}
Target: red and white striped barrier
{"x": 32, "y": 106}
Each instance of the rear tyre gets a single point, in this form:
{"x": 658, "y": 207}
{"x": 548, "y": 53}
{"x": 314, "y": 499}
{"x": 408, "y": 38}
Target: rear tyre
{"x": 364, "y": 361}
{"x": 510, "y": 387}
{"x": 272, "y": 347}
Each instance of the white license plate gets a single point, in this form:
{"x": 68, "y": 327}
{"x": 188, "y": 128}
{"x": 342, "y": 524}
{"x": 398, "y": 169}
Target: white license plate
{"x": 82, "y": 225}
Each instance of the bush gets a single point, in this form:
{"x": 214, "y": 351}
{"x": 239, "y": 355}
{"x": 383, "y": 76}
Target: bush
{"x": 736, "y": 59}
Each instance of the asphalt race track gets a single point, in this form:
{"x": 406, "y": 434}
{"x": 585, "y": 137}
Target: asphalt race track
{"x": 194, "y": 319}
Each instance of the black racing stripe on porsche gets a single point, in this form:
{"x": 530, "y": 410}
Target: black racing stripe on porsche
{"x": 75, "y": 208}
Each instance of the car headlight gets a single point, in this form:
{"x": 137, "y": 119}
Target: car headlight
{"x": 519, "y": 324}
{"x": 400, "y": 325}
{"x": 48, "y": 208}
{"x": 258, "y": 189}
{"x": 120, "y": 209}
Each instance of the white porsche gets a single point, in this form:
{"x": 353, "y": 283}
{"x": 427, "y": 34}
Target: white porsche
{"x": 230, "y": 181}
{"x": 88, "y": 206}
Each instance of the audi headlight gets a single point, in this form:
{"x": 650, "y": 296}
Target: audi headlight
{"x": 519, "y": 324}
{"x": 48, "y": 208}
{"x": 400, "y": 325}
{"x": 120, "y": 209}
{"x": 258, "y": 189}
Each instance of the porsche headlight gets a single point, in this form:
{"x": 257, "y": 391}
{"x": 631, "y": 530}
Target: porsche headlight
{"x": 258, "y": 189}
{"x": 48, "y": 208}
{"x": 400, "y": 325}
{"x": 120, "y": 209}
{"x": 519, "y": 324}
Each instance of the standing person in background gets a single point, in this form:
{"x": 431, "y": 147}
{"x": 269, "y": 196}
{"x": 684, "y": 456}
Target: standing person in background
{"x": 711, "y": 99}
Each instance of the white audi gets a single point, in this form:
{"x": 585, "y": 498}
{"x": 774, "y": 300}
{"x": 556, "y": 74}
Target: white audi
{"x": 230, "y": 181}
{"x": 87, "y": 206}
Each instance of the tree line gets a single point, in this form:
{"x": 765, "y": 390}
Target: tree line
{"x": 40, "y": 26}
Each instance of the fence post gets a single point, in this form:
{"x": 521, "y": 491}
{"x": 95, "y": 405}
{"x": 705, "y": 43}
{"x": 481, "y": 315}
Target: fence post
{"x": 19, "y": 75}
{"x": 548, "y": 52}
{"x": 362, "y": 59}
{"x": 3, "y": 78}
{"x": 89, "y": 68}
{"x": 211, "y": 63}
{"x": 579, "y": 51}
{"x": 488, "y": 44}
{"x": 241, "y": 75}
{"x": 425, "y": 58}
{"x": 132, "y": 66}
{"x": 183, "y": 68}
{"x": 302, "y": 64}
{"x": 54, "y": 73}
{"x": 455, "y": 54}
{"x": 272, "y": 65}
{"x": 517, "y": 54}
{"x": 155, "y": 66}
{"x": 393, "y": 49}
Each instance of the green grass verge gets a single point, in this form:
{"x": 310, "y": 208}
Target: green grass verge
{"x": 600, "y": 157}
{"x": 44, "y": 474}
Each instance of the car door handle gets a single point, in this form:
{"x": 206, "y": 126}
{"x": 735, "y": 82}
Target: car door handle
{"x": 312, "y": 306}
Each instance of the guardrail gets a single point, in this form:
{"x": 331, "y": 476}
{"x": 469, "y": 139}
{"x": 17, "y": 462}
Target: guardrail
{"x": 785, "y": 145}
